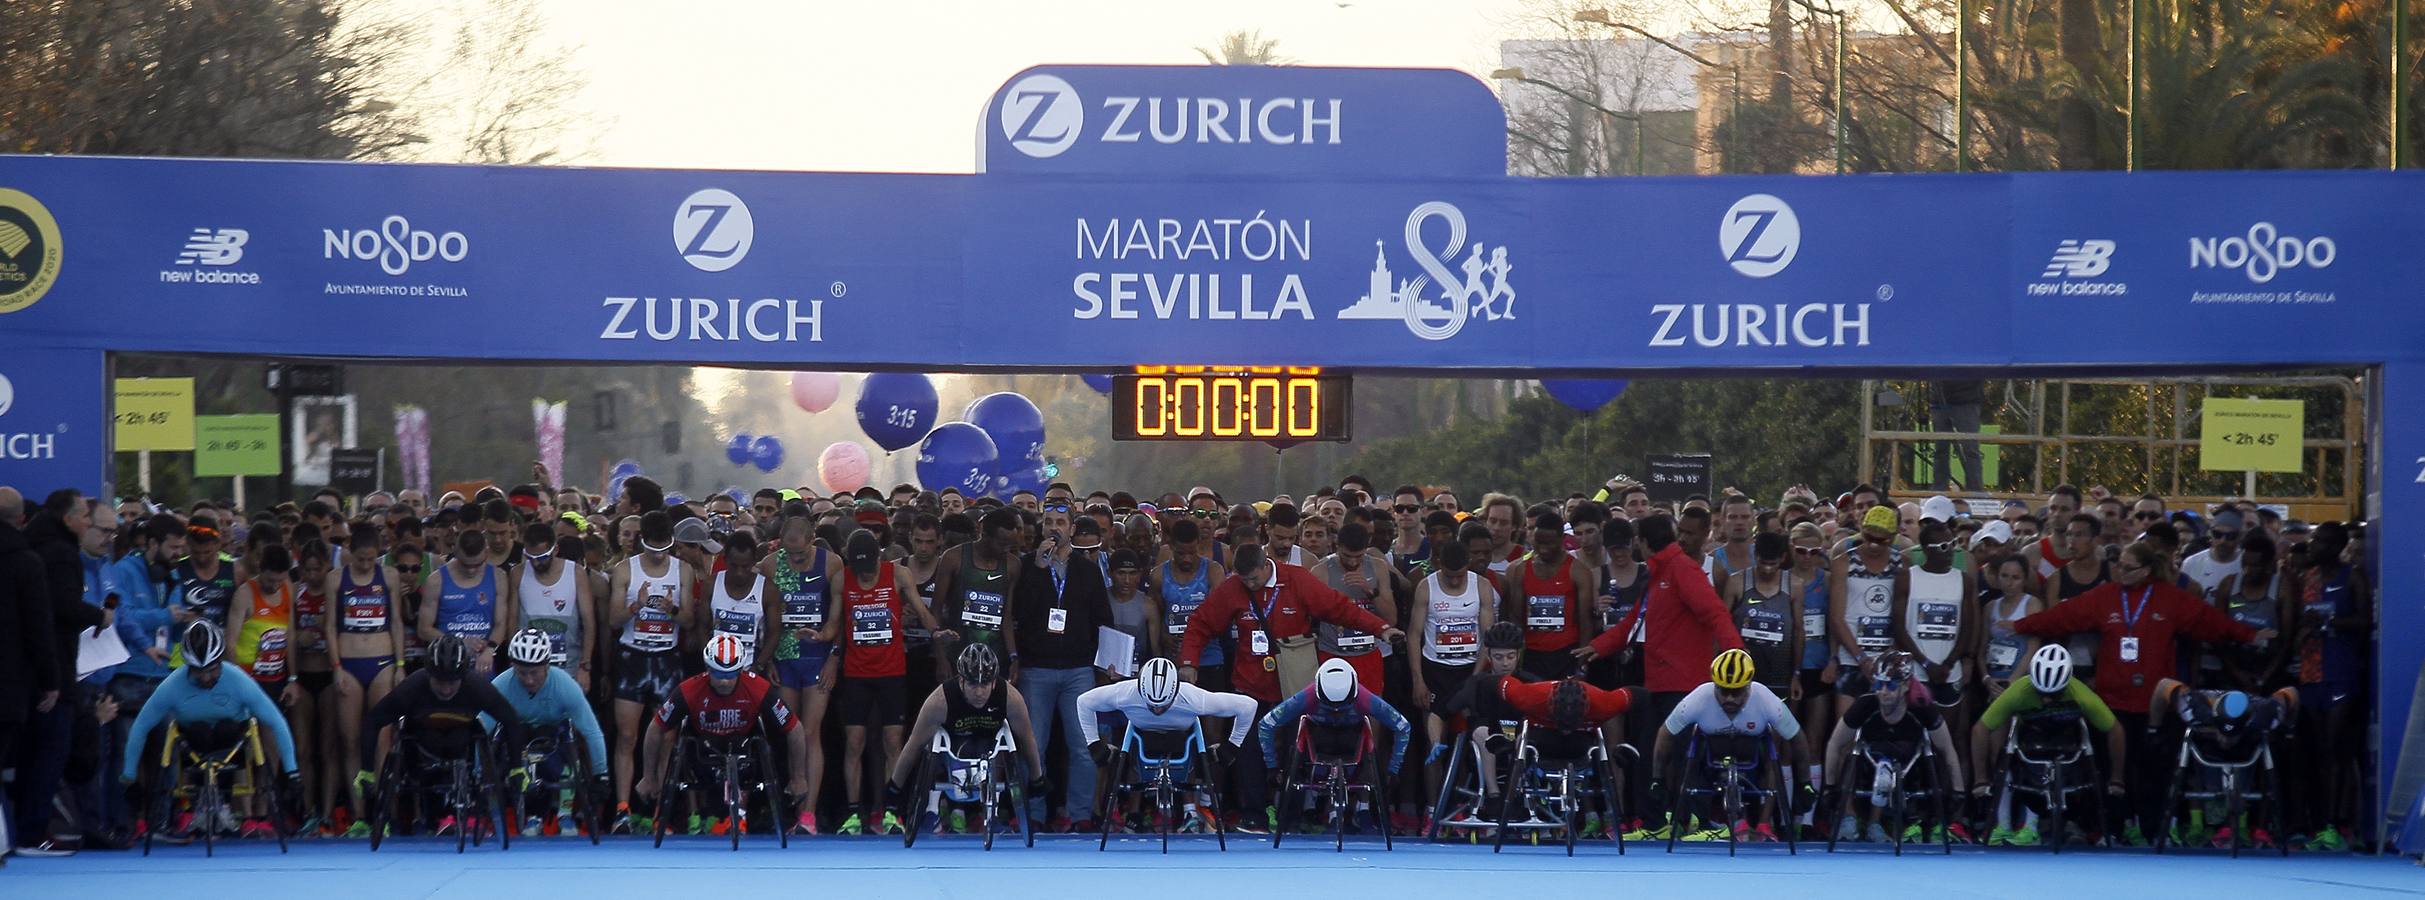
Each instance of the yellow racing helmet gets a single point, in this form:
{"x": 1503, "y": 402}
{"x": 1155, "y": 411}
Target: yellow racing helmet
{"x": 1731, "y": 670}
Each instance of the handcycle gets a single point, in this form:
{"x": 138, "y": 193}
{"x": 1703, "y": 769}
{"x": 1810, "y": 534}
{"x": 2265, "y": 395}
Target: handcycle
{"x": 2233, "y": 770}
{"x": 1331, "y": 766}
{"x": 216, "y": 768}
{"x": 1559, "y": 773}
{"x": 1893, "y": 788}
{"x": 740, "y": 765}
{"x": 2049, "y": 761}
{"x": 467, "y": 782}
{"x": 1741, "y": 770}
{"x": 1166, "y": 766}
{"x": 564, "y": 754}
{"x": 989, "y": 778}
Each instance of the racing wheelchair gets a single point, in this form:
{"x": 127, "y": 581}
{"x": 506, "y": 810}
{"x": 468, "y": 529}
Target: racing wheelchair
{"x": 735, "y": 767}
{"x": 208, "y": 769}
{"x": 1331, "y": 765}
{"x": 1166, "y": 766}
{"x": 1736, "y": 771}
{"x": 558, "y": 761}
{"x": 2051, "y": 758}
{"x": 2229, "y": 769}
{"x": 989, "y": 778}
{"x": 1462, "y": 794}
{"x": 1558, "y": 775}
{"x": 466, "y": 782}
{"x": 1896, "y": 783}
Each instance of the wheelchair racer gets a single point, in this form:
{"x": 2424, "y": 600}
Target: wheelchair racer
{"x": 1335, "y": 707}
{"x": 1730, "y": 706}
{"x": 1488, "y": 720}
{"x": 1164, "y": 711}
{"x": 724, "y": 707}
{"x": 2231, "y": 722}
{"x": 440, "y": 709}
{"x": 1886, "y": 726}
{"x": 214, "y": 704}
{"x": 549, "y": 701}
{"x": 2054, "y": 700}
{"x": 970, "y": 714}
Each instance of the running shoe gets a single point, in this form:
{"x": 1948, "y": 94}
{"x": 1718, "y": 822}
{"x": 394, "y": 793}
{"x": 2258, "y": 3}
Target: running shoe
{"x": 930, "y": 822}
{"x": 1644, "y": 832}
{"x": 1262, "y": 824}
{"x": 310, "y": 827}
{"x": 446, "y": 826}
{"x": 1057, "y": 825}
{"x": 807, "y": 824}
{"x": 1761, "y": 834}
{"x": 1404, "y": 824}
{"x": 2000, "y": 837}
{"x": 1959, "y": 832}
{"x": 1875, "y": 833}
{"x": 720, "y": 826}
{"x": 1847, "y": 829}
{"x": 959, "y": 822}
{"x": 551, "y": 826}
{"x": 1714, "y": 832}
{"x": 698, "y": 824}
{"x": 358, "y": 830}
{"x": 2131, "y": 836}
{"x": 1915, "y": 833}
{"x": 225, "y": 821}
{"x": 2222, "y": 838}
{"x": 533, "y": 826}
{"x": 2258, "y": 837}
{"x": 48, "y": 848}
{"x": 892, "y": 823}
{"x": 1591, "y": 825}
{"x": 2023, "y": 837}
{"x": 2298, "y": 841}
{"x": 851, "y": 826}
{"x": 2327, "y": 840}
{"x": 182, "y": 824}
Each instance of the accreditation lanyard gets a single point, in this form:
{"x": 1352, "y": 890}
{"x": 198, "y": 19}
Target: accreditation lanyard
{"x": 2129, "y": 643}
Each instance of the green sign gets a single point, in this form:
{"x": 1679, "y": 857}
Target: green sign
{"x": 2238, "y": 435}
{"x": 236, "y": 445}
{"x": 1991, "y": 458}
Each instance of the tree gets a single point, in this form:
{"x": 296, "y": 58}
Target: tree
{"x": 1245, "y": 48}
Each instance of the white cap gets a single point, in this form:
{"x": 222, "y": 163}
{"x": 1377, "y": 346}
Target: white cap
{"x": 1939, "y": 507}
{"x": 1996, "y": 530}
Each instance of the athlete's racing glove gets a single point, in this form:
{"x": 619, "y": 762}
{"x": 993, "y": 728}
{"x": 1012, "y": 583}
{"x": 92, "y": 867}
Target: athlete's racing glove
{"x": 1101, "y": 751}
{"x": 1039, "y": 787}
{"x": 1806, "y": 798}
{"x": 1438, "y": 753}
{"x": 518, "y": 778}
{"x": 1222, "y": 754}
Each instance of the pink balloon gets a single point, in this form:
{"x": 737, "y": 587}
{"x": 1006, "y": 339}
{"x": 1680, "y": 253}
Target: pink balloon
{"x": 843, "y": 467}
{"x": 815, "y": 391}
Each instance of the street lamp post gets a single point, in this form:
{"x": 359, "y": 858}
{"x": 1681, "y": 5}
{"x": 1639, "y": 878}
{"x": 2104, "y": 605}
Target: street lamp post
{"x": 1517, "y": 74}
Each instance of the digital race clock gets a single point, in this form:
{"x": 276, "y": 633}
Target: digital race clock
{"x": 1229, "y": 403}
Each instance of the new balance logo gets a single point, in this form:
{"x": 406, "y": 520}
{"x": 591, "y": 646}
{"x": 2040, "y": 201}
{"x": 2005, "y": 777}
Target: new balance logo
{"x": 2079, "y": 259}
{"x": 214, "y": 247}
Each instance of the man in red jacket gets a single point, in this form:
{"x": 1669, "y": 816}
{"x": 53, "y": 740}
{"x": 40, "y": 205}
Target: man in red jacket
{"x": 1686, "y": 626}
{"x": 1282, "y": 605}
{"x": 2137, "y": 617}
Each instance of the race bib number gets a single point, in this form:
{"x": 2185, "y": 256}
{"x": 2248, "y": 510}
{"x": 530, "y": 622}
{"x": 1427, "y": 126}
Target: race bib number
{"x": 270, "y": 662}
{"x": 1258, "y": 643}
{"x": 740, "y": 623}
{"x": 652, "y": 630}
{"x": 983, "y": 609}
{"x": 366, "y": 612}
{"x": 2003, "y": 656}
{"x": 1872, "y": 633}
{"x": 1457, "y": 640}
{"x": 1937, "y": 622}
{"x": 871, "y": 625}
{"x": 804, "y": 609}
{"x": 468, "y": 626}
{"x": 2130, "y": 649}
{"x": 1763, "y": 625}
{"x": 1753, "y": 632}
{"x": 555, "y": 648}
{"x": 1056, "y": 620}
{"x": 1351, "y": 640}
{"x": 1545, "y": 612}
{"x": 1814, "y": 626}
{"x": 1180, "y": 611}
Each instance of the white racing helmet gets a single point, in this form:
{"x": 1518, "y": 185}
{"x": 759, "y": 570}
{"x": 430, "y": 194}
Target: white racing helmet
{"x": 1158, "y": 683}
{"x": 530, "y": 647}
{"x": 2050, "y": 668}
{"x": 1335, "y": 681}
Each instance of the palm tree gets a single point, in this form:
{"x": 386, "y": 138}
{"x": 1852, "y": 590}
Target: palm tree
{"x": 1245, "y": 48}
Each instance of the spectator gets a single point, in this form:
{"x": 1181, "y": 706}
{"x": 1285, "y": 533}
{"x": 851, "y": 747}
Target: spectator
{"x": 55, "y": 536}
{"x": 1954, "y": 406}
{"x": 29, "y": 667}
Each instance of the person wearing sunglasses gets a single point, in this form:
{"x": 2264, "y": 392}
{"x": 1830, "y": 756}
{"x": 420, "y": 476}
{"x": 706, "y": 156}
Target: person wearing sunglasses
{"x": 2221, "y": 558}
{"x": 2136, "y": 619}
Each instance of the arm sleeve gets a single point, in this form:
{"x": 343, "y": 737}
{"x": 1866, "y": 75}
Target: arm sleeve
{"x": 1092, "y": 705}
{"x": 1238, "y": 707}
{"x": 171, "y": 691}
{"x": 1207, "y": 621}
{"x": 1400, "y": 730}
{"x": 1606, "y": 705}
{"x": 264, "y": 711}
{"x": 584, "y": 719}
{"x": 2092, "y": 707}
{"x": 1268, "y": 732}
{"x": 492, "y": 702}
{"x": 2013, "y": 701}
{"x": 1530, "y": 699}
{"x": 388, "y": 709}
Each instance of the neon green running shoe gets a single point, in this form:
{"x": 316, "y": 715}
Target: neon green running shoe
{"x": 2024, "y": 837}
{"x": 892, "y": 823}
{"x": 360, "y": 829}
{"x": 2000, "y": 837}
{"x": 959, "y": 822}
{"x": 1715, "y": 832}
{"x": 851, "y": 826}
{"x": 2328, "y": 840}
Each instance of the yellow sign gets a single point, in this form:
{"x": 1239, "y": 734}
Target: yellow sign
{"x": 29, "y": 250}
{"x": 154, "y": 414}
{"x": 2251, "y": 435}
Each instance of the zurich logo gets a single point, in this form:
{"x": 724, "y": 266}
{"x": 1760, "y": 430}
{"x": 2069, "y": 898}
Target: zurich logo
{"x": 1042, "y": 115}
{"x": 8, "y": 395}
{"x": 712, "y": 230}
{"x": 1759, "y": 235}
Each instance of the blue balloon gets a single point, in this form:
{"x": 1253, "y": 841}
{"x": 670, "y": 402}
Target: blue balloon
{"x": 1030, "y": 479}
{"x": 957, "y": 455}
{"x": 625, "y": 467}
{"x": 614, "y": 487}
{"x": 767, "y": 453}
{"x": 676, "y": 499}
{"x": 1101, "y": 383}
{"x": 895, "y": 410}
{"x": 1013, "y": 421}
{"x": 737, "y": 449}
{"x": 1585, "y": 394}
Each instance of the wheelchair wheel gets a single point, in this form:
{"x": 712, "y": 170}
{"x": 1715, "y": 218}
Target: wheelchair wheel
{"x": 777, "y": 801}
{"x": 382, "y": 801}
{"x": 1936, "y": 800}
{"x": 1449, "y": 781}
{"x": 1609, "y": 804}
{"x": 1676, "y": 816}
{"x": 1733, "y": 805}
{"x": 588, "y": 811}
{"x": 677, "y": 761}
{"x": 2273, "y": 804}
{"x": 1574, "y": 813}
{"x": 2234, "y": 806}
{"x": 2058, "y": 807}
{"x": 1290, "y": 804}
{"x": 923, "y": 786}
{"x": 1897, "y": 808}
{"x": 1517, "y": 776}
{"x": 1379, "y": 788}
{"x": 1113, "y": 792}
{"x": 2179, "y": 783}
{"x": 1781, "y": 801}
{"x": 995, "y": 791}
{"x": 1209, "y": 782}
{"x": 459, "y": 803}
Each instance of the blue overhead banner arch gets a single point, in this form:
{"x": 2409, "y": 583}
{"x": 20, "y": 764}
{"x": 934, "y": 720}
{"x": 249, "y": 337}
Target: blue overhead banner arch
{"x": 1356, "y": 219}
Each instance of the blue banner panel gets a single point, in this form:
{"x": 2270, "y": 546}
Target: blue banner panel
{"x": 54, "y": 426}
{"x": 2239, "y": 267}
{"x": 1267, "y": 121}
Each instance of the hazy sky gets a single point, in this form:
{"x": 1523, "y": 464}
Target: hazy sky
{"x": 898, "y": 86}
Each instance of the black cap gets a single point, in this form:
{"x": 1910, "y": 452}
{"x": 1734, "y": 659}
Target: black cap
{"x": 1125, "y": 558}
{"x": 860, "y": 551}
{"x": 1083, "y": 527}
